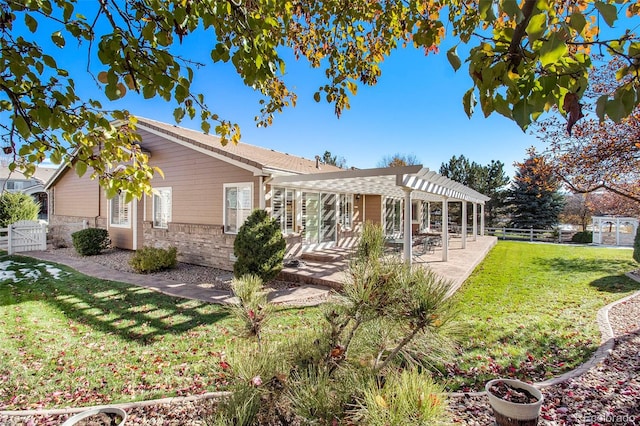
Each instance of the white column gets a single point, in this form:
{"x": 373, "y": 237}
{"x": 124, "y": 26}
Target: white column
{"x": 407, "y": 226}
{"x": 445, "y": 229}
{"x": 261, "y": 195}
{"x": 464, "y": 224}
{"x": 428, "y": 215}
{"x": 617, "y": 231}
{"x": 475, "y": 221}
{"x": 482, "y": 220}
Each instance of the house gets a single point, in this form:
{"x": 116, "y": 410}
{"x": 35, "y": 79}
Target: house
{"x": 209, "y": 190}
{"x": 15, "y": 181}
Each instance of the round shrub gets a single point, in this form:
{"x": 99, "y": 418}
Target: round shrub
{"x": 90, "y": 241}
{"x": 15, "y": 206}
{"x": 259, "y": 247}
{"x": 582, "y": 237}
{"x": 153, "y": 259}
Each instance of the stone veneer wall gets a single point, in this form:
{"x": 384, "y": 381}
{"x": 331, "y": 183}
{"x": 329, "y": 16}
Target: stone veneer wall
{"x": 205, "y": 245}
{"x": 61, "y": 228}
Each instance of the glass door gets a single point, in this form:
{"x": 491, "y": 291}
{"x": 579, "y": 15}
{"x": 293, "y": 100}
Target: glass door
{"x": 328, "y": 230}
{"x": 311, "y": 217}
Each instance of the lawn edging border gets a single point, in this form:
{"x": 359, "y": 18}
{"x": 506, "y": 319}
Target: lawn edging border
{"x": 603, "y": 351}
{"x": 124, "y": 405}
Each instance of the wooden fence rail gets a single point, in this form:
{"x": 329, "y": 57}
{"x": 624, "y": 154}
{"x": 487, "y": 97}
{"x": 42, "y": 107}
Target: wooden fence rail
{"x": 540, "y": 235}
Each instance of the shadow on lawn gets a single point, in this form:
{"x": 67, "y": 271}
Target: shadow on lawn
{"x": 616, "y": 284}
{"x": 131, "y": 312}
{"x": 606, "y": 266}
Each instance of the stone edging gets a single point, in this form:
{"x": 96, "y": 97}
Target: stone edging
{"x": 600, "y": 355}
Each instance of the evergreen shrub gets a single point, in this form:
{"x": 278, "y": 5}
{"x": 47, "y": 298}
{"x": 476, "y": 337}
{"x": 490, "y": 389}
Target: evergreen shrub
{"x": 90, "y": 241}
{"x": 15, "y": 206}
{"x": 259, "y": 247}
{"x": 582, "y": 237}
{"x": 153, "y": 259}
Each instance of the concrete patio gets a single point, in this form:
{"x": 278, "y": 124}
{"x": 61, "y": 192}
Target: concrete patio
{"x": 326, "y": 267}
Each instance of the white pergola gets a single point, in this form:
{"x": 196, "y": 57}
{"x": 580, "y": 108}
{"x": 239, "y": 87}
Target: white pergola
{"x": 408, "y": 182}
{"x": 617, "y": 222}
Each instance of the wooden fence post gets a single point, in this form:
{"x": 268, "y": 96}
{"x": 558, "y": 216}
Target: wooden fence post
{"x": 10, "y": 237}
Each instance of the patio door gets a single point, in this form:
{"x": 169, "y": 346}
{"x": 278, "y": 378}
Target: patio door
{"x": 319, "y": 218}
{"x": 328, "y": 211}
{"x": 311, "y": 217}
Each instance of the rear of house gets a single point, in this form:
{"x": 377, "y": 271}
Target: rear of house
{"x": 209, "y": 190}
{"x": 206, "y": 194}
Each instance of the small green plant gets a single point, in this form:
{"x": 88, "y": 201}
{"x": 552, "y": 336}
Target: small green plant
{"x": 259, "y": 247}
{"x": 636, "y": 246}
{"x": 153, "y": 259}
{"x": 15, "y": 206}
{"x": 408, "y": 397}
{"x": 90, "y": 241}
{"x": 371, "y": 243}
{"x": 253, "y": 309}
{"x": 390, "y": 317}
{"x": 582, "y": 237}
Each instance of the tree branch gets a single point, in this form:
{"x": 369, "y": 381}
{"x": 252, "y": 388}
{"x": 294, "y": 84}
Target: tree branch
{"x": 515, "y": 49}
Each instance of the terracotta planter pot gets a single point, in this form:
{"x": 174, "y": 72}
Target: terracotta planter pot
{"x": 509, "y": 413}
{"x": 71, "y": 421}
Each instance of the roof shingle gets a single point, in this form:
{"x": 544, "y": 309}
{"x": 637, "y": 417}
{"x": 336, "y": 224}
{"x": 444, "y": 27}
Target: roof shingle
{"x": 254, "y": 155}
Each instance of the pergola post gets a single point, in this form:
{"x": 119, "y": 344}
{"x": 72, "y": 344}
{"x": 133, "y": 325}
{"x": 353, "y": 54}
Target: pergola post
{"x": 445, "y": 229}
{"x": 482, "y": 220}
{"x": 464, "y": 224}
{"x": 475, "y": 221}
{"x": 428, "y": 215}
{"x": 407, "y": 226}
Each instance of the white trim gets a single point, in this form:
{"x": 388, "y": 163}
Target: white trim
{"x": 134, "y": 221}
{"x": 209, "y": 152}
{"x": 224, "y": 204}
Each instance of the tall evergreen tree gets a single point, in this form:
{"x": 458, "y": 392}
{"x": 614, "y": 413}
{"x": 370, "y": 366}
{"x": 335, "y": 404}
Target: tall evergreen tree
{"x": 534, "y": 197}
{"x": 489, "y": 180}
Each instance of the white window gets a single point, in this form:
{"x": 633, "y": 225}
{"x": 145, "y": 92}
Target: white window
{"x": 161, "y": 207}
{"x": 238, "y": 204}
{"x": 283, "y": 207}
{"x": 120, "y": 211}
{"x": 346, "y": 211}
{"x": 14, "y": 185}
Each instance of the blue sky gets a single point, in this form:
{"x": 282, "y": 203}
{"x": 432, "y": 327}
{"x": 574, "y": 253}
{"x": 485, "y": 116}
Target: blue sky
{"x": 415, "y": 108}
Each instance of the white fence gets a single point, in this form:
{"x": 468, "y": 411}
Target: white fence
{"x": 24, "y": 235}
{"x": 519, "y": 234}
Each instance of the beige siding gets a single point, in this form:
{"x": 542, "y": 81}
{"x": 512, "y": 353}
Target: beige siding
{"x": 76, "y": 196}
{"x": 196, "y": 181}
{"x": 373, "y": 208}
{"x": 121, "y": 237}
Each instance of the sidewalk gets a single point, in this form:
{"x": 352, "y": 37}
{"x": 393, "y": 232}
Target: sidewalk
{"x": 304, "y": 295}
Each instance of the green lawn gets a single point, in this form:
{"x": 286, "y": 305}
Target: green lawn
{"x": 70, "y": 340}
{"x": 529, "y": 310}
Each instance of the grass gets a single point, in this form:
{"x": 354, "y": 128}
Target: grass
{"x": 529, "y": 310}
{"x": 71, "y": 340}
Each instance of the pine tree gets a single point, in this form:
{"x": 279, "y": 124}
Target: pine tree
{"x": 534, "y": 197}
